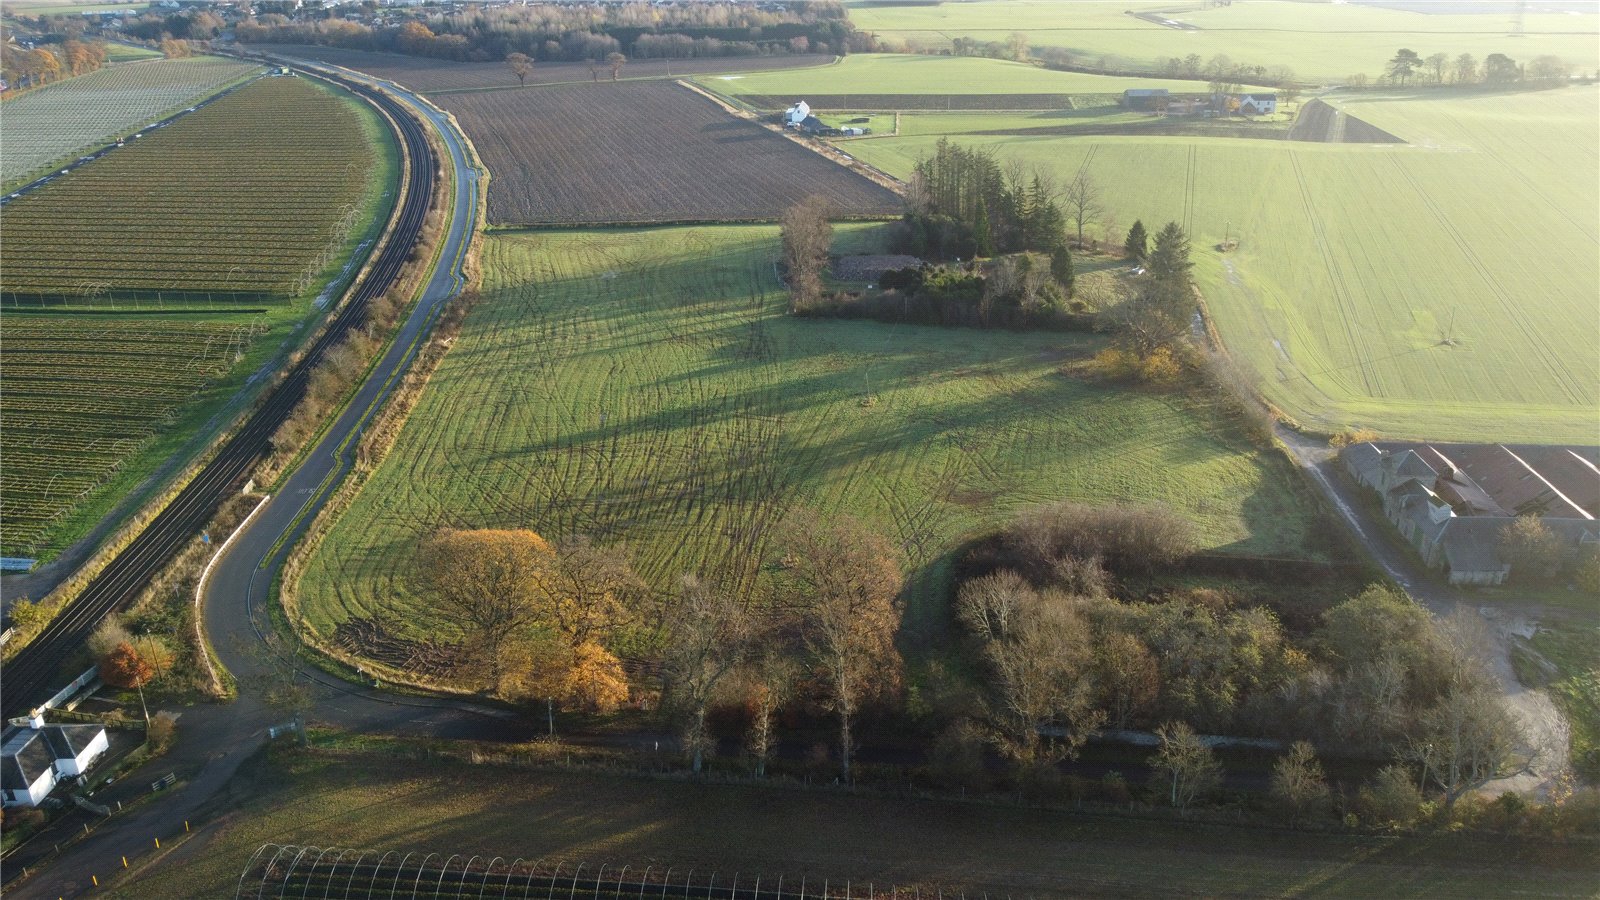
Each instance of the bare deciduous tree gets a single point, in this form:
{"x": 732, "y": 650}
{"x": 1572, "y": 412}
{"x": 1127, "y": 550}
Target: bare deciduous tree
{"x": 1127, "y": 676}
{"x": 709, "y": 636}
{"x": 591, "y": 590}
{"x": 1299, "y": 786}
{"x": 849, "y": 583}
{"x": 1184, "y": 767}
{"x": 769, "y": 681}
{"x": 616, "y": 62}
{"x": 521, "y": 65}
{"x": 1467, "y": 736}
{"x": 1082, "y": 198}
{"x": 806, "y": 236}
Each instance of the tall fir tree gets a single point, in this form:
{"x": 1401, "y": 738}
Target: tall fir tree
{"x": 1169, "y": 261}
{"x": 1061, "y": 267}
{"x": 1137, "y": 243}
{"x": 981, "y": 235}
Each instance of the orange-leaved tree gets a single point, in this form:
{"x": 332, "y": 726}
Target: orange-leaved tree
{"x": 489, "y": 583}
{"x": 123, "y": 667}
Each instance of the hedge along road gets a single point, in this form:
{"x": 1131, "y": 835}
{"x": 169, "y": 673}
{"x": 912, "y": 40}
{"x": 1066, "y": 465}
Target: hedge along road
{"x": 213, "y": 740}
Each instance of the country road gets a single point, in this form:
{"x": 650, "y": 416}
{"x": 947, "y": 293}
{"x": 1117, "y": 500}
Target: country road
{"x": 215, "y": 739}
{"x": 1545, "y": 731}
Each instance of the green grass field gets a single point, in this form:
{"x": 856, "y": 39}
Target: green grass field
{"x": 879, "y": 73}
{"x": 380, "y": 802}
{"x": 1319, "y": 41}
{"x": 118, "y": 53}
{"x": 99, "y": 398}
{"x": 1357, "y": 261}
{"x": 646, "y": 386}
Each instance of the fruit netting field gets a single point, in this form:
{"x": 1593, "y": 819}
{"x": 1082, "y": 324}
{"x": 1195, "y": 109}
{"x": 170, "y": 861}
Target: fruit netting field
{"x": 641, "y": 152}
{"x": 252, "y": 196}
{"x": 1440, "y": 290}
{"x": 84, "y": 393}
{"x": 43, "y": 126}
{"x": 648, "y": 387}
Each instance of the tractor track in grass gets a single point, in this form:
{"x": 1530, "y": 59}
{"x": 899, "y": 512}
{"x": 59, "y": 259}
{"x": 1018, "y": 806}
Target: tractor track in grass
{"x": 1188, "y": 191}
{"x": 1341, "y": 291}
{"x": 1514, "y": 312}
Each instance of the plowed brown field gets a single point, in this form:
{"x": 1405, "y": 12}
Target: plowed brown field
{"x": 643, "y": 152}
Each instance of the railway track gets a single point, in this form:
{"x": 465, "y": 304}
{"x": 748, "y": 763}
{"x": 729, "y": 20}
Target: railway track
{"x": 28, "y": 679}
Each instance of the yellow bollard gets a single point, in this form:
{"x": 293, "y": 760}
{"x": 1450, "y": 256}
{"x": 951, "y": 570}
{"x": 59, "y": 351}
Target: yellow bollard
{"x": 158, "y": 843}
{"x": 124, "y": 862}
{"x": 186, "y": 826}
{"x": 95, "y": 879}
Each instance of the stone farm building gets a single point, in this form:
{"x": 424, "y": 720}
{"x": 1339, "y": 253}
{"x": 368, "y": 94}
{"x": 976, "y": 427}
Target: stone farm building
{"x": 1150, "y": 99}
{"x": 1454, "y": 508}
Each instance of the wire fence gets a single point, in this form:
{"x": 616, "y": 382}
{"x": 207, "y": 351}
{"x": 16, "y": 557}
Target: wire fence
{"x": 287, "y": 870}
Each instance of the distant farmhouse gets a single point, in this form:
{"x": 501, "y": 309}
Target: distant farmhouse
{"x": 799, "y": 118}
{"x": 1160, "y": 100}
{"x": 33, "y": 760}
{"x": 1454, "y": 509}
{"x": 1258, "y": 104}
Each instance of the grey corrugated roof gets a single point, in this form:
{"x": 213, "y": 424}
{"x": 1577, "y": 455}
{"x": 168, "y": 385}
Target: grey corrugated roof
{"x": 1407, "y": 464}
{"x": 23, "y": 759}
{"x": 1471, "y": 543}
{"x": 1364, "y": 458}
{"x": 67, "y": 741}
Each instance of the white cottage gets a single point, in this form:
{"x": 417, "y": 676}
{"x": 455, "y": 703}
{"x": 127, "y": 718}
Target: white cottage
{"x": 35, "y": 759}
{"x": 27, "y": 769}
{"x": 794, "y": 115}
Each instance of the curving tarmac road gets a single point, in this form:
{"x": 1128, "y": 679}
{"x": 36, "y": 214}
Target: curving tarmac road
{"x": 215, "y": 739}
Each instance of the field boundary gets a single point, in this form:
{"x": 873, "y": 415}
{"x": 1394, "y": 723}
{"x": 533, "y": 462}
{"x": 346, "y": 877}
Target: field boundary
{"x": 822, "y": 148}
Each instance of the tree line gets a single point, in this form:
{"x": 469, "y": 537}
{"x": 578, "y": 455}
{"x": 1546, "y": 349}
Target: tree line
{"x": 575, "y": 33}
{"x": 1408, "y": 68}
{"x": 25, "y": 68}
{"x": 540, "y": 621}
{"x": 1067, "y": 649}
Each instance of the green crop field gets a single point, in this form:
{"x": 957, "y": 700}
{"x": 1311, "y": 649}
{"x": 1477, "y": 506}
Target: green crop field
{"x": 1319, "y": 41}
{"x": 120, "y": 53}
{"x": 251, "y": 197}
{"x": 879, "y": 73}
{"x": 45, "y": 126}
{"x": 102, "y": 391}
{"x": 1443, "y": 290}
{"x": 646, "y": 386}
{"x": 377, "y": 801}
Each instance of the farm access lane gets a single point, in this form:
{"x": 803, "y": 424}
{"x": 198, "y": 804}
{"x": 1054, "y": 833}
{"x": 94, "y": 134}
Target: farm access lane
{"x": 214, "y": 740}
{"x": 1545, "y": 730}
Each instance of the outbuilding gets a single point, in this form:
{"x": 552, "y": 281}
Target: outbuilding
{"x": 35, "y": 759}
